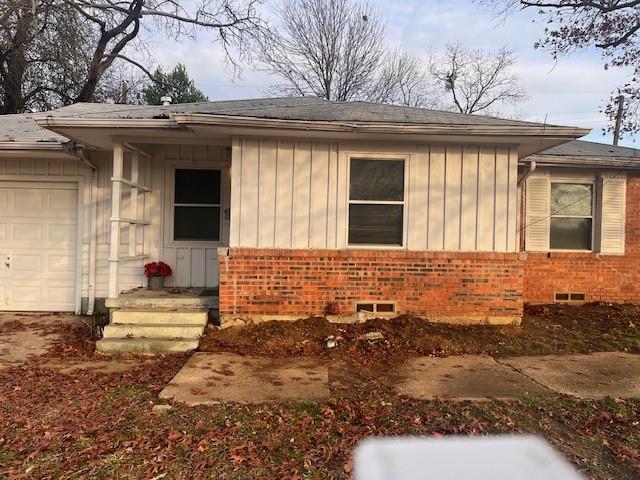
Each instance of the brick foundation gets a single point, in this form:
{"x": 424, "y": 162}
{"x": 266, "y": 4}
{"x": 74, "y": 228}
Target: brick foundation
{"x": 264, "y": 284}
{"x": 609, "y": 278}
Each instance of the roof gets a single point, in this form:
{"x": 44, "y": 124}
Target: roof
{"x": 591, "y": 149}
{"x": 583, "y": 153}
{"x": 22, "y": 128}
{"x": 290, "y": 108}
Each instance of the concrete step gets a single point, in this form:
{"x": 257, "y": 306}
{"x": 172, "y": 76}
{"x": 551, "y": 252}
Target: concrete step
{"x": 145, "y": 345}
{"x": 178, "y": 303}
{"x": 150, "y": 330}
{"x": 160, "y": 316}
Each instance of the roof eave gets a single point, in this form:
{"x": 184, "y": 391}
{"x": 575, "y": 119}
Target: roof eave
{"x": 577, "y": 161}
{"x": 377, "y": 127}
{"x": 52, "y": 123}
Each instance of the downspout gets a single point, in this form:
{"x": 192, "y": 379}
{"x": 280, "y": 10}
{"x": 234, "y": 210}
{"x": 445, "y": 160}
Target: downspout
{"x": 532, "y": 168}
{"x": 80, "y": 153}
{"x": 521, "y": 184}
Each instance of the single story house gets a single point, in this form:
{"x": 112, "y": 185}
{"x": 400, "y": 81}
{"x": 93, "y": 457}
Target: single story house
{"x": 293, "y": 207}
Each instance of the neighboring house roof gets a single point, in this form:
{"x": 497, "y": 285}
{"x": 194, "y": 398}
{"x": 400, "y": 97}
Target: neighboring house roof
{"x": 583, "y": 153}
{"x": 289, "y": 108}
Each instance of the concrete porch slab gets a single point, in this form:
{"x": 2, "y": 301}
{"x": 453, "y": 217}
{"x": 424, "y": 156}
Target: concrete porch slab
{"x": 598, "y": 375}
{"x": 466, "y": 377}
{"x": 213, "y": 378}
{"x": 172, "y": 298}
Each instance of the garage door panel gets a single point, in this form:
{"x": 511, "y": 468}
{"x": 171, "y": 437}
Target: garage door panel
{"x": 28, "y": 202}
{"x": 59, "y": 203}
{"x": 62, "y": 233}
{"x": 27, "y": 231}
{"x": 21, "y": 263}
{"x": 38, "y": 229}
{"x": 61, "y": 263}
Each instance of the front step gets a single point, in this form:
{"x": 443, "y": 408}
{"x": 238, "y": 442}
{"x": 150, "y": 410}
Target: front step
{"x": 146, "y": 345}
{"x": 166, "y": 317}
{"x": 150, "y": 303}
{"x": 152, "y": 330}
{"x": 149, "y": 329}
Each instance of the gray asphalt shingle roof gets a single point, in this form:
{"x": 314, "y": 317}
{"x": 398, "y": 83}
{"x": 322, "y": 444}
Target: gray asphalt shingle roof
{"x": 22, "y": 128}
{"x": 592, "y": 149}
{"x": 289, "y": 108}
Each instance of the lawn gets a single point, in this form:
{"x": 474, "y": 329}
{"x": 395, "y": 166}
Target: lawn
{"x": 89, "y": 424}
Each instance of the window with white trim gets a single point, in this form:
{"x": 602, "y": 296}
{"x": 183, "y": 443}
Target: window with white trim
{"x": 571, "y": 222}
{"x": 376, "y": 201}
{"x": 196, "y": 205}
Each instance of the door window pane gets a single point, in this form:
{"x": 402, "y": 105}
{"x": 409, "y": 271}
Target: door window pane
{"x": 197, "y": 186}
{"x": 377, "y": 180}
{"x": 375, "y": 224}
{"x": 196, "y": 223}
{"x": 571, "y": 233}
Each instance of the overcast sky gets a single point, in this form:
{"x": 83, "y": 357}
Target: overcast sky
{"x": 569, "y": 92}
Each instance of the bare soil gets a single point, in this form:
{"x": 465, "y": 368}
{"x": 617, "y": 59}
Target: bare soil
{"x": 545, "y": 329}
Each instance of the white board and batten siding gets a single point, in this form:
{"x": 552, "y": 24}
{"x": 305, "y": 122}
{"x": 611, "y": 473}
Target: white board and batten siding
{"x": 294, "y": 194}
{"x": 609, "y": 214}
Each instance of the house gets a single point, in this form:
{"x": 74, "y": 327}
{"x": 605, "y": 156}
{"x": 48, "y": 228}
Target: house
{"x": 293, "y": 207}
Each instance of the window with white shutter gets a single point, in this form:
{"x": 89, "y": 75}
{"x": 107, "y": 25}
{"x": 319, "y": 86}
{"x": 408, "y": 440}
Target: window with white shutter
{"x": 575, "y": 212}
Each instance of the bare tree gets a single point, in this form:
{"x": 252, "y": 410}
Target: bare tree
{"x": 67, "y": 37}
{"x": 476, "y": 80}
{"x": 402, "y": 80}
{"x": 326, "y": 48}
{"x": 612, "y": 26}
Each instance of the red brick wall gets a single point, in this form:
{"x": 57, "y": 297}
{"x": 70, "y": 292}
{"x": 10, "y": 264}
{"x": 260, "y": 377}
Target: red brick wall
{"x": 610, "y": 278}
{"x": 292, "y": 282}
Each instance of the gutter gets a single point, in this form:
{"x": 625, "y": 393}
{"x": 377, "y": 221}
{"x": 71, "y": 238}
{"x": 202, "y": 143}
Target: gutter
{"x": 52, "y": 123}
{"x": 79, "y": 152}
{"x": 577, "y": 161}
{"x": 181, "y": 121}
{"x": 430, "y": 129}
{"x": 43, "y": 146}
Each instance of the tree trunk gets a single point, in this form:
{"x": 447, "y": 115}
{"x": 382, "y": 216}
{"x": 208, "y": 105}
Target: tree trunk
{"x": 15, "y": 66}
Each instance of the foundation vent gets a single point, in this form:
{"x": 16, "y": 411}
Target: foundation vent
{"x": 385, "y": 308}
{"x": 566, "y": 297}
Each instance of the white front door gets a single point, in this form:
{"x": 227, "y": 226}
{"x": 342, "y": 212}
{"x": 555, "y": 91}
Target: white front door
{"x": 38, "y": 240}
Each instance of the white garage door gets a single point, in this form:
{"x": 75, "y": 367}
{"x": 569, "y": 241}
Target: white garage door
{"x": 38, "y": 237}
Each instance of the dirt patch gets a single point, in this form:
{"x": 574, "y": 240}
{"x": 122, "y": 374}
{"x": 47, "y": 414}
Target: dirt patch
{"x": 21, "y": 345}
{"x": 549, "y": 329}
{"x": 66, "y": 335}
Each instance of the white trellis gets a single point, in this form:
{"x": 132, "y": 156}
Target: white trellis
{"x": 117, "y": 219}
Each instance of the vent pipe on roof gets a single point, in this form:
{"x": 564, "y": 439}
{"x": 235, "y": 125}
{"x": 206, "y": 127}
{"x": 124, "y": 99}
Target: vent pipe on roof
{"x": 166, "y": 100}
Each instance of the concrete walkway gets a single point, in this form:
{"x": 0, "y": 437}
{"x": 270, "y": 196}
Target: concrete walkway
{"x": 212, "y": 378}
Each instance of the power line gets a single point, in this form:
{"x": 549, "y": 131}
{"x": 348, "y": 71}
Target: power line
{"x": 604, "y": 182}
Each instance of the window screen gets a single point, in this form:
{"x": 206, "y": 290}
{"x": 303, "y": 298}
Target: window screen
{"x": 376, "y": 202}
{"x": 571, "y": 223}
{"x": 196, "y": 205}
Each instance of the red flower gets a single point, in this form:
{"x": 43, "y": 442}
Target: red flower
{"x": 157, "y": 269}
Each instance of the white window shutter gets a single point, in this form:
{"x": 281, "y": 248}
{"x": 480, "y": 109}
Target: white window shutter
{"x": 538, "y": 198}
{"x": 612, "y": 213}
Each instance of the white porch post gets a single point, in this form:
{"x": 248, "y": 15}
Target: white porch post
{"x": 116, "y": 197}
{"x": 133, "y": 227}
